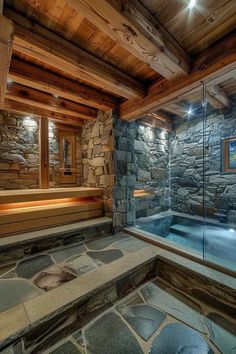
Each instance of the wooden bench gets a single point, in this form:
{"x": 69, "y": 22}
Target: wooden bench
{"x": 27, "y": 210}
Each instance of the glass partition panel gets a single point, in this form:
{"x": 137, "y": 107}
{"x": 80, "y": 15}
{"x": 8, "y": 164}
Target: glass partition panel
{"x": 168, "y": 166}
{"x": 220, "y": 171}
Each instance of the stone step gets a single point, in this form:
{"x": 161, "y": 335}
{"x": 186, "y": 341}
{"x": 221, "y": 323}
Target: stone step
{"x": 13, "y": 248}
{"x": 190, "y": 231}
{"x": 54, "y": 288}
{"x": 187, "y": 291}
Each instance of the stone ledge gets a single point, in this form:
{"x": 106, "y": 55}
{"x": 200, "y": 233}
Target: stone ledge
{"x": 53, "y": 231}
{"x": 187, "y": 259}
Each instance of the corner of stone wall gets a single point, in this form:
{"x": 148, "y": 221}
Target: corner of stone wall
{"x": 97, "y": 143}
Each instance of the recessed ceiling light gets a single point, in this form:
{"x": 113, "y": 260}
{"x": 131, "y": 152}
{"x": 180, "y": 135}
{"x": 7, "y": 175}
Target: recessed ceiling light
{"x": 192, "y": 4}
{"x": 190, "y": 111}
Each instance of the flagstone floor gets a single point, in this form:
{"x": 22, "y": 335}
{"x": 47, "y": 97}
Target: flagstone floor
{"x": 34, "y": 275}
{"x": 150, "y": 320}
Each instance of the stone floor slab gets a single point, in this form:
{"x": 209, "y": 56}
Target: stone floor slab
{"x": 104, "y": 242}
{"x": 29, "y": 267}
{"x": 82, "y": 264}
{"x": 223, "y": 340}
{"x": 154, "y": 295}
{"x": 15, "y": 291}
{"x": 110, "y": 335}
{"x": 144, "y": 319}
{"x": 53, "y": 279}
{"x": 130, "y": 244}
{"x": 62, "y": 254}
{"x": 66, "y": 348}
{"x": 105, "y": 256}
{"x": 177, "y": 338}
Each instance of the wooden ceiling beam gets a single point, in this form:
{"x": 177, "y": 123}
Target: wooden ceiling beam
{"x": 40, "y": 44}
{"x": 130, "y": 24}
{"x": 26, "y": 109}
{"x": 217, "y": 97}
{"x": 6, "y": 39}
{"x": 162, "y": 92}
{"x": 48, "y": 102}
{"x": 35, "y": 77}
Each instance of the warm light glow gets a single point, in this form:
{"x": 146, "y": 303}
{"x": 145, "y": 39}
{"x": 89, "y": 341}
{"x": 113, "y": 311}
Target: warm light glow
{"x": 42, "y": 203}
{"x": 9, "y": 81}
{"x": 55, "y": 96}
{"x": 192, "y": 4}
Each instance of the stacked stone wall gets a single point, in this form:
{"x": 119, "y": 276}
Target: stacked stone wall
{"x": 97, "y": 144}
{"x": 19, "y": 153}
{"x": 188, "y": 157}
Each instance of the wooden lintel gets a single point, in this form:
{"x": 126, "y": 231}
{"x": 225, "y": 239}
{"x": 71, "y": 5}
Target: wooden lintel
{"x": 43, "y": 100}
{"x": 26, "y": 109}
{"x": 159, "y": 121}
{"x": 6, "y": 39}
{"x": 162, "y": 92}
{"x": 130, "y": 24}
{"x": 48, "y": 48}
{"x": 35, "y": 77}
{"x": 43, "y": 153}
{"x": 175, "y": 108}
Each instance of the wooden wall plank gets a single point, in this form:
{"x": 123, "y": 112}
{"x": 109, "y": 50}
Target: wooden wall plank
{"x": 6, "y": 39}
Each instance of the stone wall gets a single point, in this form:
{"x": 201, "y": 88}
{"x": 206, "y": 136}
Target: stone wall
{"x": 141, "y": 162}
{"x": 97, "y": 144}
{"x": 186, "y": 165}
{"x": 54, "y": 158}
{"x": 19, "y": 155}
{"x": 151, "y": 151}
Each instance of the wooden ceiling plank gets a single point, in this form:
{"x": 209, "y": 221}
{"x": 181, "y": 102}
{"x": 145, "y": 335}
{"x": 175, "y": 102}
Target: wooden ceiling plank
{"x": 26, "y": 74}
{"x": 26, "y": 109}
{"x": 130, "y": 24}
{"x": 40, "y": 44}
{"x": 207, "y": 68}
{"x": 6, "y": 39}
{"x": 43, "y": 100}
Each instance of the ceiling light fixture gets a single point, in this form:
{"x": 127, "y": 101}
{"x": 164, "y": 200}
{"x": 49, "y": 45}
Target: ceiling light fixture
{"x": 190, "y": 111}
{"x": 231, "y": 230}
{"x": 191, "y": 4}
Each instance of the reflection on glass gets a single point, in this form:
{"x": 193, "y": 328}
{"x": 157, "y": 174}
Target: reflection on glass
{"x": 67, "y": 153}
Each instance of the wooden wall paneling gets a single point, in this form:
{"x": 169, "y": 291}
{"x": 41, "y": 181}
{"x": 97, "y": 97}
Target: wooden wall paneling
{"x": 6, "y": 39}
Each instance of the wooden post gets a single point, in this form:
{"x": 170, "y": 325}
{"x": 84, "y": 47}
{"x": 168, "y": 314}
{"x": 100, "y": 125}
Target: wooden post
{"x": 43, "y": 154}
{"x": 1, "y": 7}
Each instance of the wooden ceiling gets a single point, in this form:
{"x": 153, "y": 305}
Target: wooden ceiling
{"x": 73, "y": 57}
